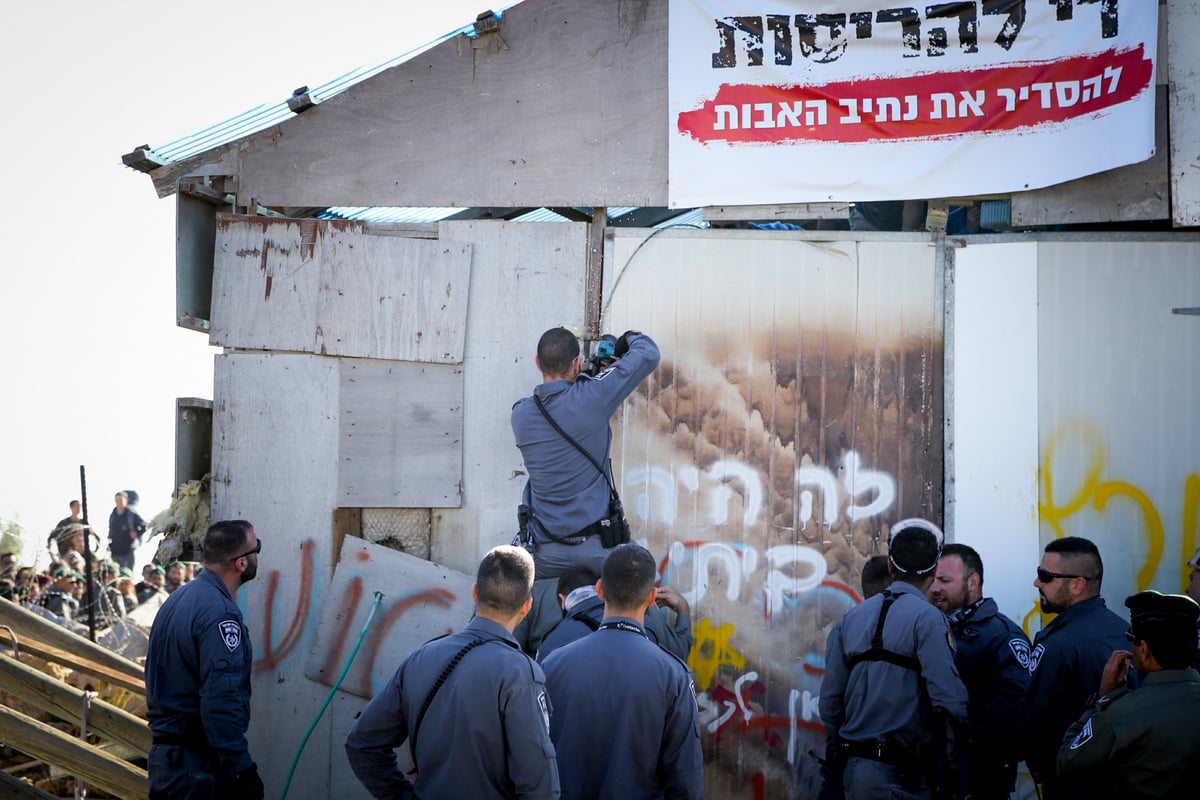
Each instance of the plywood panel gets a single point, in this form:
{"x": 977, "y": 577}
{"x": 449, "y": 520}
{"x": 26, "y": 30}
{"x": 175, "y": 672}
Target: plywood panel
{"x": 335, "y": 288}
{"x": 527, "y": 277}
{"x": 795, "y": 415}
{"x": 420, "y": 600}
{"x": 1183, "y": 41}
{"x": 275, "y": 441}
{"x": 401, "y": 432}
{"x": 569, "y": 112}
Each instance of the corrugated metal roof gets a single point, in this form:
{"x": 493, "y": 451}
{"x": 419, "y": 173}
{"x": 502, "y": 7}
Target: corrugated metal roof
{"x": 693, "y": 218}
{"x": 268, "y": 114}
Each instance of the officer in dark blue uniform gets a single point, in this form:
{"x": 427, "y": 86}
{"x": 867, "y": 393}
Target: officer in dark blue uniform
{"x": 993, "y": 661}
{"x": 198, "y": 678}
{"x": 1068, "y": 655}
{"x": 891, "y": 697}
{"x": 477, "y": 723}
{"x": 626, "y": 722}
{"x": 583, "y": 612}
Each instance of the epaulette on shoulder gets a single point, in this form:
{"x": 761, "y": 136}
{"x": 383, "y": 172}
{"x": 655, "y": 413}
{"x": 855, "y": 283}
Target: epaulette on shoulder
{"x": 673, "y": 656}
{"x": 1112, "y": 697}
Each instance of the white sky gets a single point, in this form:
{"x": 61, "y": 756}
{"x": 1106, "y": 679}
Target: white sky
{"x": 91, "y": 358}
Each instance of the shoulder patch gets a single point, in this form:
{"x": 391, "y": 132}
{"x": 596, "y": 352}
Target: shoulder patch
{"x": 544, "y": 705}
{"x": 231, "y": 634}
{"x": 1020, "y": 649}
{"x": 1035, "y": 657}
{"x": 1085, "y": 736}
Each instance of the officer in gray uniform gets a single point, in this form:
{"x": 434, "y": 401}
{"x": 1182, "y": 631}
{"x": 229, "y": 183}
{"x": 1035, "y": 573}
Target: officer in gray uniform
{"x": 198, "y": 678}
{"x": 583, "y": 611}
{"x": 567, "y": 496}
{"x": 1143, "y": 743}
{"x": 477, "y": 723}
{"x": 626, "y": 722}
{"x": 891, "y": 699}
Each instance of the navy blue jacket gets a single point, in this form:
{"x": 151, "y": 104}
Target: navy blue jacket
{"x": 625, "y": 722}
{"x": 676, "y": 639}
{"x": 1065, "y": 666}
{"x": 993, "y": 662}
{"x": 565, "y": 492}
{"x": 198, "y": 671}
{"x": 485, "y": 735}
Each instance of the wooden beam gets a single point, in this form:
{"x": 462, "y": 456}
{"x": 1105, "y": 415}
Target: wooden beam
{"x": 116, "y": 679}
{"x": 16, "y": 789}
{"x": 29, "y": 625}
{"x": 776, "y": 212}
{"x": 91, "y": 764}
{"x": 66, "y": 702}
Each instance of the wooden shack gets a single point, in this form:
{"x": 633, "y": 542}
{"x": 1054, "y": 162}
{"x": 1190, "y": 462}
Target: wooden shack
{"x": 816, "y": 386}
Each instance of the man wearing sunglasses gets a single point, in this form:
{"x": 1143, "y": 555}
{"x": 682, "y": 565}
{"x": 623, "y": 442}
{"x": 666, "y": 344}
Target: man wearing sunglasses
{"x": 1144, "y": 743}
{"x": 1068, "y": 656}
{"x": 198, "y": 678}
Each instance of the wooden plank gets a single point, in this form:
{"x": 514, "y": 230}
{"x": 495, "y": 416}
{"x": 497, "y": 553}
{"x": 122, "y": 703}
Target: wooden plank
{"x": 459, "y": 126}
{"x": 401, "y": 434}
{"x": 16, "y": 789}
{"x": 421, "y": 600}
{"x": 66, "y": 702}
{"x": 777, "y": 212}
{"x": 62, "y": 657}
{"x": 334, "y": 288}
{"x": 28, "y": 625}
{"x": 527, "y": 277}
{"x": 1183, "y": 41}
{"x": 1135, "y": 193}
{"x": 93, "y": 765}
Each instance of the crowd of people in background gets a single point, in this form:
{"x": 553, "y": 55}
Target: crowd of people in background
{"x": 60, "y": 590}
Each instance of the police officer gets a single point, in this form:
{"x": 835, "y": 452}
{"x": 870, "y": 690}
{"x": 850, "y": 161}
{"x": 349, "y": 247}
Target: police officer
{"x": 477, "y": 723}
{"x": 1193, "y": 591}
{"x": 1068, "y": 655}
{"x": 583, "y": 611}
{"x": 626, "y": 721}
{"x": 992, "y": 657}
{"x": 891, "y": 698}
{"x": 58, "y": 599}
{"x": 567, "y": 496}
{"x": 1143, "y": 743}
{"x": 198, "y": 678}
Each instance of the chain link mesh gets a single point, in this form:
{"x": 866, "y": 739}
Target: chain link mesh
{"x": 403, "y": 529}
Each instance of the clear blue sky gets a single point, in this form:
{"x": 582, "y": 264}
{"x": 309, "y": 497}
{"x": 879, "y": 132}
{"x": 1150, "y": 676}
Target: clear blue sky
{"x": 91, "y": 358}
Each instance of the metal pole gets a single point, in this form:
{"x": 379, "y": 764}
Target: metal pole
{"x": 87, "y": 555}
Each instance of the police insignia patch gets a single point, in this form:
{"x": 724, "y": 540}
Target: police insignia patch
{"x": 1035, "y": 657}
{"x": 231, "y": 633}
{"x": 1085, "y": 735}
{"x": 1020, "y": 649}
{"x": 544, "y": 705}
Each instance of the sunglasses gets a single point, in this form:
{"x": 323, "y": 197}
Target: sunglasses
{"x": 257, "y": 549}
{"x": 1045, "y": 575}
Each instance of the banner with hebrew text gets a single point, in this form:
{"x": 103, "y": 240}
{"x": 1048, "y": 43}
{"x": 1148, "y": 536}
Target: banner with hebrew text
{"x": 775, "y": 101}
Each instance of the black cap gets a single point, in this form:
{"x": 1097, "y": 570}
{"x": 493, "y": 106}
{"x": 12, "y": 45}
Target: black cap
{"x": 1151, "y": 606}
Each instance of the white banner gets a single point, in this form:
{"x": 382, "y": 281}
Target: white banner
{"x": 780, "y": 101}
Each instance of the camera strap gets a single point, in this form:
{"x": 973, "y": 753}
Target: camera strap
{"x": 542, "y": 408}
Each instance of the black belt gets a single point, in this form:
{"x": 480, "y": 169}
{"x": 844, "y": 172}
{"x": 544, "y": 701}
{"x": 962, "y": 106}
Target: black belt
{"x": 873, "y": 749}
{"x": 192, "y": 736}
{"x": 578, "y": 537}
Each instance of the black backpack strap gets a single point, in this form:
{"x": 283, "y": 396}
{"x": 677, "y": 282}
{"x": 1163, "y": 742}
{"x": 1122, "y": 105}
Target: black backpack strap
{"x": 412, "y": 736}
{"x": 877, "y": 651}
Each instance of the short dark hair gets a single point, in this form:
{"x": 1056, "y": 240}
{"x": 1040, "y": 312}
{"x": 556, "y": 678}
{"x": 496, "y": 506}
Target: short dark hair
{"x": 1083, "y": 556}
{"x": 574, "y": 577}
{"x": 225, "y": 539}
{"x": 875, "y": 576}
{"x": 557, "y": 348}
{"x": 969, "y": 556}
{"x": 627, "y": 576}
{"x": 914, "y": 553}
{"x": 504, "y": 580}
{"x": 1172, "y": 641}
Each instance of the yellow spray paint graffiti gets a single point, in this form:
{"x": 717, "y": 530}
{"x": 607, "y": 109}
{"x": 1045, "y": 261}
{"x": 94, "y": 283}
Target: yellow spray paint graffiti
{"x": 711, "y": 650}
{"x": 1093, "y": 490}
